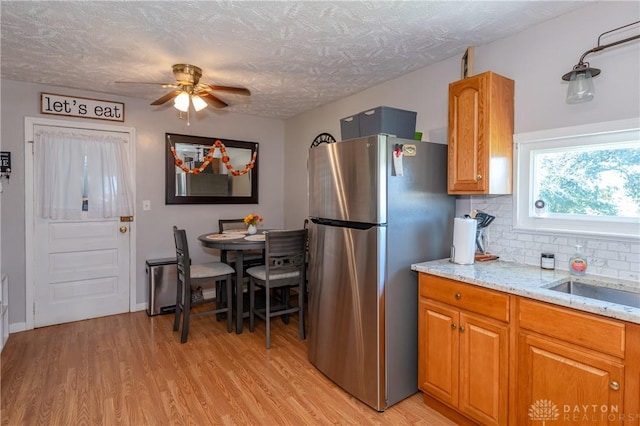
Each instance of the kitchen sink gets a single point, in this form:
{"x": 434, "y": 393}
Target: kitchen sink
{"x": 605, "y": 294}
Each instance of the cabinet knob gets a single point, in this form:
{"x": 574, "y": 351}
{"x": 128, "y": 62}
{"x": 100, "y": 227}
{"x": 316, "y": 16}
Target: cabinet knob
{"x": 614, "y": 385}
{"x": 458, "y": 296}
{"x": 462, "y": 329}
{"x": 454, "y": 326}
{"x": 479, "y": 177}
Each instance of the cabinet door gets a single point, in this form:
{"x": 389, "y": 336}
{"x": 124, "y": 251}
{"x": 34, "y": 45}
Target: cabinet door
{"x": 467, "y": 154}
{"x": 481, "y": 135}
{"x": 484, "y": 354}
{"x": 438, "y": 351}
{"x": 632, "y": 373}
{"x": 566, "y": 385}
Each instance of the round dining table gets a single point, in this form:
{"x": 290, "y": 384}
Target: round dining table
{"x": 237, "y": 243}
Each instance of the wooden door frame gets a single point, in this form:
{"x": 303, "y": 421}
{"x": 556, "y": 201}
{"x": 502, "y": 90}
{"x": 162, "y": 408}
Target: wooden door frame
{"x": 30, "y": 239}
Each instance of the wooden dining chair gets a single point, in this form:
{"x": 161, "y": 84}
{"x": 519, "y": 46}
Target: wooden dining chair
{"x": 284, "y": 269}
{"x": 189, "y": 276}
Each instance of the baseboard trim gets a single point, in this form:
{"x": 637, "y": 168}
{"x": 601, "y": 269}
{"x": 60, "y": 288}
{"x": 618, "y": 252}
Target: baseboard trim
{"x": 17, "y": 327}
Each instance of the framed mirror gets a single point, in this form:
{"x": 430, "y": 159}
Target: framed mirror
{"x": 199, "y": 174}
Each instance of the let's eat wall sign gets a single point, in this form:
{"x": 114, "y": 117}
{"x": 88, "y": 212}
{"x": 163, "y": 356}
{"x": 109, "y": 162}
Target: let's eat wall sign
{"x": 73, "y": 106}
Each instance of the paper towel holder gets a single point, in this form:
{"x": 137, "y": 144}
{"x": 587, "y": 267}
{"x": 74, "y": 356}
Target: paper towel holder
{"x": 463, "y": 244}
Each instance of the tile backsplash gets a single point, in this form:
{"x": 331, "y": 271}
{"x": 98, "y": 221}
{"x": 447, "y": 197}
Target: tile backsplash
{"x": 606, "y": 257}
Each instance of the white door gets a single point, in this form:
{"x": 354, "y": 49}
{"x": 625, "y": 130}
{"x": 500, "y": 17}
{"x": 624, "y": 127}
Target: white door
{"x": 82, "y": 270}
{"x": 81, "y": 267}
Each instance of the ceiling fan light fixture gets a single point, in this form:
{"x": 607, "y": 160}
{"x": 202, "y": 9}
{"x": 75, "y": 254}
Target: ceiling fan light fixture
{"x": 182, "y": 102}
{"x": 188, "y": 90}
{"x": 198, "y": 103}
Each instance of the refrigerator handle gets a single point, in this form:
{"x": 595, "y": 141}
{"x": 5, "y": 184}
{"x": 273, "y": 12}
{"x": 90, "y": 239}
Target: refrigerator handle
{"x": 344, "y": 224}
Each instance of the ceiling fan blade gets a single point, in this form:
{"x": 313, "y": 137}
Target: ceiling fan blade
{"x": 149, "y": 82}
{"x": 234, "y": 90}
{"x": 214, "y": 101}
{"x": 166, "y": 97}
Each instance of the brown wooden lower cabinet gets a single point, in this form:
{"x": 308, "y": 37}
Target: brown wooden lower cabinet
{"x": 463, "y": 357}
{"x": 575, "y": 368}
{"x": 494, "y": 359}
{"x": 484, "y": 351}
{"x": 567, "y": 385}
{"x": 438, "y": 351}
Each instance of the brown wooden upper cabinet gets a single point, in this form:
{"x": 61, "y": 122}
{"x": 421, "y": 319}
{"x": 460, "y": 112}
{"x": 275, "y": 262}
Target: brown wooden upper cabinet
{"x": 481, "y": 135}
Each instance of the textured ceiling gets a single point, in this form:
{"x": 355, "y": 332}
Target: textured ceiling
{"x": 293, "y": 56}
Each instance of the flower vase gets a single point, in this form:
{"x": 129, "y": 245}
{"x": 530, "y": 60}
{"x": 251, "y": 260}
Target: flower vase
{"x": 252, "y": 229}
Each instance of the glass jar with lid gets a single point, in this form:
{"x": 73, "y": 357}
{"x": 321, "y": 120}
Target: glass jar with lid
{"x": 547, "y": 261}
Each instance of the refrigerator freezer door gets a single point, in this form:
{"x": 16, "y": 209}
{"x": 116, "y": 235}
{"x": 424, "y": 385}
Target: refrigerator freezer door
{"x": 348, "y": 180}
{"x": 346, "y": 309}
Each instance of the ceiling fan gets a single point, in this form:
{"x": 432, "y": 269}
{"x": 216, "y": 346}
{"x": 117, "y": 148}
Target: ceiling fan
{"x": 189, "y": 90}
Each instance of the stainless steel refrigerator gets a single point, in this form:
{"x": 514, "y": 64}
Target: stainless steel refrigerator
{"x": 370, "y": 218}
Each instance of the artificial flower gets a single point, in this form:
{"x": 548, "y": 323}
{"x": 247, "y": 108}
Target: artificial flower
{"x": 252, "y": 219}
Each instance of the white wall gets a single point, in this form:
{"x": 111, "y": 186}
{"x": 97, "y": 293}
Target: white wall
{"x": 154, "y": 236}
{"x": 536, "y": 59}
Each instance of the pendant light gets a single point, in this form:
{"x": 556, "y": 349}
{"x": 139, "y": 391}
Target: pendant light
{"x": 580, "y": 78}
{"x": 581, "y": 85}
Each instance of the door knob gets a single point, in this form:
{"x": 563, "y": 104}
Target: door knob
{"x": 614, "y": 385}
{"x": 123, "y": 229}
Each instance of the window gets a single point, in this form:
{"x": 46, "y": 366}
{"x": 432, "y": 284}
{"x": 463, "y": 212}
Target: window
{"x": 583, "y": 180}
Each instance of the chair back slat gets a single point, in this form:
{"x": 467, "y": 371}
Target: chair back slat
{"x": 182, "y": 255}
{"x": 306, "y": 226}
{"x": 229, "y": 224}
{"x": 285, "y": 251}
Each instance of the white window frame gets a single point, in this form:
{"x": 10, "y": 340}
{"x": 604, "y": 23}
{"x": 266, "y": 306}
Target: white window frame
{"x": 525, "y": 218}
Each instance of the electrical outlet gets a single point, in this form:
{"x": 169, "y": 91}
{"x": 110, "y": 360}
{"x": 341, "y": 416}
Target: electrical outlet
{"x": 146, "y": 205}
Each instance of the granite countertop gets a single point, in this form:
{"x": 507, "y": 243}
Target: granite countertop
{"x": 534, "y": 282}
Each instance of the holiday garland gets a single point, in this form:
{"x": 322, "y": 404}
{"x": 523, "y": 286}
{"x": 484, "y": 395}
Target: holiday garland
{"x": 179, "y": 162}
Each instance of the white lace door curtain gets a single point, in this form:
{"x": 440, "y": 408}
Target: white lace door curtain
{"x": 73, "y": 164}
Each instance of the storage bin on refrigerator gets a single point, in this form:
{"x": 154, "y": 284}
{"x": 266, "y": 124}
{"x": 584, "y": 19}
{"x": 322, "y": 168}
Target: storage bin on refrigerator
{"x": 380, "y": 120}
{"x": 162, "y": 281}
{"x": 387, "y": 120}
{"x": 350, "y": 127}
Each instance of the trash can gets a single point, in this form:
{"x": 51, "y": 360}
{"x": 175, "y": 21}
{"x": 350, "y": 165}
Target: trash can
{"x": 162, "y": 281}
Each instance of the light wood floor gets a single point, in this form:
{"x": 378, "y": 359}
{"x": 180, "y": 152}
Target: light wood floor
{"x": 131, "y": 369}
